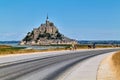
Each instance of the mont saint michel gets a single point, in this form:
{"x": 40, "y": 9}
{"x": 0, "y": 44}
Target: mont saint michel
{"x": 46, "y": 34}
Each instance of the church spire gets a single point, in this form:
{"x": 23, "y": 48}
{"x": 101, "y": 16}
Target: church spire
{"x": 47, "y": 18}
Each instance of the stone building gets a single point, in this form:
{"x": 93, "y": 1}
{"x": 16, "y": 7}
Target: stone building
{"x": 46, "y": 34}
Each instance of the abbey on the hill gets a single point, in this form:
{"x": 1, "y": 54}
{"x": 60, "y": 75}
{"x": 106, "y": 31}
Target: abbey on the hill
{"x": 46, "y": 34}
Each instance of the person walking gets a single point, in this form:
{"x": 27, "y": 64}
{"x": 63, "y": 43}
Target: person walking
{"x": 94, "y": 45}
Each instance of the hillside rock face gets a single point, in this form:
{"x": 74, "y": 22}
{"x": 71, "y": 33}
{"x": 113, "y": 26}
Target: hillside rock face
{"x": 46, "y": 34}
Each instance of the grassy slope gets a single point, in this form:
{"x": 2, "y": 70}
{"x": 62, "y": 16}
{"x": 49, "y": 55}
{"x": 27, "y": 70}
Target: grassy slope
{"x": 116, "y": 64}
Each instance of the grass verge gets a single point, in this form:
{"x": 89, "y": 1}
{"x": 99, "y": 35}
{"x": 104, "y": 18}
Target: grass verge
{"x": 116, "y": 64}
{"x": 4, "y": 49}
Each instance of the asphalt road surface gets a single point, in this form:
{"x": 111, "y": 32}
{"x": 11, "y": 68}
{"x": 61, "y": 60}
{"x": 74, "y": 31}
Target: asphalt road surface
{"x": 48, "y": 68}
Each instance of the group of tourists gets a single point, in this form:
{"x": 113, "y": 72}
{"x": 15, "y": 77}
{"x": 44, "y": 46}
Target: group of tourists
{"x": 92, "y": 46}
{"x": 73, "y": 46}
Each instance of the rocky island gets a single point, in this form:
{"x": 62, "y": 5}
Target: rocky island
{"x": 46, "y": 34}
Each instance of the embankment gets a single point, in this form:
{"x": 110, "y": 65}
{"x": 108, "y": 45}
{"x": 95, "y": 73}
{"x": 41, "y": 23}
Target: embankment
{"x": 109, "y": 68}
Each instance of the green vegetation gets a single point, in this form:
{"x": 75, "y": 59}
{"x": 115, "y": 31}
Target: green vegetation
{"x": 14, "y": 50}
{"x": 4, "y": 49}
{"x": 97, "y": 46}
{"x": 4, "y": 46}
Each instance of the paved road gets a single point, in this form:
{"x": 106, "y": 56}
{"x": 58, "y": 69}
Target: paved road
{"x": 47, "y": 68}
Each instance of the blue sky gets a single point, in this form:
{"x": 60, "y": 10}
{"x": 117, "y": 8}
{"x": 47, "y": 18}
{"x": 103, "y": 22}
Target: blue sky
{"x": 77, "y": 19}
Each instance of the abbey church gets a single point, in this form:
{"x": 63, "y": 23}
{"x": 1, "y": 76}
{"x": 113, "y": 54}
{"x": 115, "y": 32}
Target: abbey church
{"x": 46, "y": 34}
